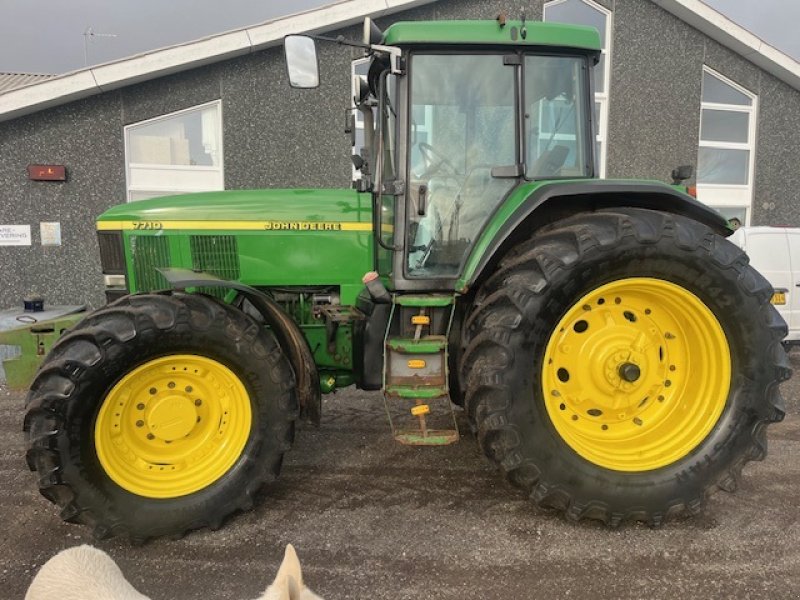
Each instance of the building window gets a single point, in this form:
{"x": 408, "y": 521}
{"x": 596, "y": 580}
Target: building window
{"x": 176, "y": 153}
{"x": 725, "y": 159}
{"x": 586, "y": 12}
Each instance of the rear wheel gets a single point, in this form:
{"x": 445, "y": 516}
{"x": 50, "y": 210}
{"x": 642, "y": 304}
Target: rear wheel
{"x": 159, "y": 414}
{"x": 624, "y": 365}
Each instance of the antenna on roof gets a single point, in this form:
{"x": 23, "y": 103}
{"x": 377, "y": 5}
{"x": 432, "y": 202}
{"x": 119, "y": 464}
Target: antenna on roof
{"x": 88, "y": 36}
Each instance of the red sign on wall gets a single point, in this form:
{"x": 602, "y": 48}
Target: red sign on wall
{"x": 47, "y": 172}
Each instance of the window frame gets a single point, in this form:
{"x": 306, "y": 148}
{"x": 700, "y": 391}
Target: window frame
{"x": 131, "y": 188}
{"x": 602, "y": 98}
{"x": 722, "y": 195}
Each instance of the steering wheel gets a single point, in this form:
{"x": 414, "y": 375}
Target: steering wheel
{"x": 434, "y": 160}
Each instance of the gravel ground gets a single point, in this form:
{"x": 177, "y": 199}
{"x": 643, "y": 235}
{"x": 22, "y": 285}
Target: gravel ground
{"x": 373, "y": 519}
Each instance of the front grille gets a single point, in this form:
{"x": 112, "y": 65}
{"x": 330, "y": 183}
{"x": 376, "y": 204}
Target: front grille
{"x": 112, "y": 255}
{"x": 149, "y": 253}
{"x": 217, "y": 255}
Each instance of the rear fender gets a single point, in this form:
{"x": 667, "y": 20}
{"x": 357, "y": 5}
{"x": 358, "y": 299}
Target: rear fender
{"x": 534, "y": 205}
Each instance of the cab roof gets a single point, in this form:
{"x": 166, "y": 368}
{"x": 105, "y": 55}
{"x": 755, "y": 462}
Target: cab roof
{"x": 491, "y": 33}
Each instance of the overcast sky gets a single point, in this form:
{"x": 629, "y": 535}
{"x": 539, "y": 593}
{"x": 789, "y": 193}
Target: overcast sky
{"x": 47, "y": 36}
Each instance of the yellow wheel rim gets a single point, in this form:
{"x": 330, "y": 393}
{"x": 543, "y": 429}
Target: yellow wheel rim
{"x": 636, "y": 374}
{"x": 173, "y": 426}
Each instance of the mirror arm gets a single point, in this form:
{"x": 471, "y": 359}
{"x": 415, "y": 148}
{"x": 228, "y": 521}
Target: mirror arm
{"x": 394, "y": 54}
{"x": 339, "y": 39}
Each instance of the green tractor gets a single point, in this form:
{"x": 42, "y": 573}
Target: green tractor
{"x": 615, "y": 356}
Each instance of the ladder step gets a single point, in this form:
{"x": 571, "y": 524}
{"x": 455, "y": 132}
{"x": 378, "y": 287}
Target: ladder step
{"x": 417, "y": 393}
{"x": 427, "y": 345}
{"x": 432, "y": 437}
{"x": 427, "y": 300}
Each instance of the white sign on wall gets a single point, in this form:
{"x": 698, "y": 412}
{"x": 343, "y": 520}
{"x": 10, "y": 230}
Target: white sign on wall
{"x": 50, "y": 233}
{"x": 15, "y": 235}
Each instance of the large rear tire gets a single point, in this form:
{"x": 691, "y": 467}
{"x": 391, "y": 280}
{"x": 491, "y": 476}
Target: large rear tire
{"x": 159, "y": 414}
{"x": 624, "y": 365}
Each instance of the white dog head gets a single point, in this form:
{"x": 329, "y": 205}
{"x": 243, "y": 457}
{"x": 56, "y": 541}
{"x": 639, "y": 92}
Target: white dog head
{"x": 86, "y": 573}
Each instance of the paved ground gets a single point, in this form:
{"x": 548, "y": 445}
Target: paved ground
{"x": 372, "y": 519}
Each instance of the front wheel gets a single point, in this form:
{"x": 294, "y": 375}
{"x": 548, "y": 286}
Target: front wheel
{"x": 624, "y": 365}
{"x": 159, "y": 414}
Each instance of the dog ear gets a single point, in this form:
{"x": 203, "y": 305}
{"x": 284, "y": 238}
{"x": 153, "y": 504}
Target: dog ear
{"x": 288, "y": 583}
{"x": 290, "y": 568}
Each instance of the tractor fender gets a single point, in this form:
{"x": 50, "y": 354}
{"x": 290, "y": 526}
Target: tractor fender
{"x": 553, "y": 201}
{"x": 290, "y": 338}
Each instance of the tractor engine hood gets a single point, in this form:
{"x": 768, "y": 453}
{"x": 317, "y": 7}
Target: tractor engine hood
{"x": 270, "y": 238}
{"x": 302, "y": 209}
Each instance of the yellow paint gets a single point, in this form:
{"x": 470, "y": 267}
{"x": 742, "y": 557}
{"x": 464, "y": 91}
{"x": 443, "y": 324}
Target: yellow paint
{"x": 416, "y": 363}
{"x": 173, "y": 426}
{"x": 234, "y": 225}
{"x": 420, "y": 409}
{"x": 636, "y": 374}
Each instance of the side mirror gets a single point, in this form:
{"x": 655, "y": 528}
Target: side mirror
{"x": 301, "y": 61}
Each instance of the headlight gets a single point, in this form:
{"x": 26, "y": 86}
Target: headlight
{"x": 115, "y": 281}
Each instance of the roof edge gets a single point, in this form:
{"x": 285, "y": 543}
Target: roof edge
{"x": 735, "y": 37}
{"x": 189, "y": 55}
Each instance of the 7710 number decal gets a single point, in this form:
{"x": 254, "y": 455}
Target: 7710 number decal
{"x": 150, "y": 225}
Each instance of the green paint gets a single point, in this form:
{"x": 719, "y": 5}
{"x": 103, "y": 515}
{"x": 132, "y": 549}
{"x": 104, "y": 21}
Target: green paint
{"x": 423, "y": 393}
{"x": 426, "y": 301}
{"x": 422, "y": 346}
{"x": 490, "y": 33}
{"x": 417, "y": 439}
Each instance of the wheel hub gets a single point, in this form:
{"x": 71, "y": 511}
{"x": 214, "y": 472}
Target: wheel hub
{"x": 636, "y": 374}
{"x": 171, "y": 418}
{"x": 629, "y": 372}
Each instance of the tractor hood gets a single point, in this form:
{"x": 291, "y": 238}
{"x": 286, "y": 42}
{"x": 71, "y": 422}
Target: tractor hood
{"x": 304, "y": 209}
{"x": 274, "y": 238}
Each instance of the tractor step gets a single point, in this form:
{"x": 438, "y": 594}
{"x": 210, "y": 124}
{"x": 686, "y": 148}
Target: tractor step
{"x": 432, "y": 437}
{"x": 428, "y": 300}
{"x": 415, "y": 371}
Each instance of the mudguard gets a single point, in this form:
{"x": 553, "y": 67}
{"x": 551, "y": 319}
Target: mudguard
{"x": 291, "y": 339}
{"x": 532, "y": 205}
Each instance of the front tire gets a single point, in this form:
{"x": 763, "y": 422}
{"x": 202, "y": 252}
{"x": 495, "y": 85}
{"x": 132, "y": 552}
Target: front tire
{"x": 159, "y": 414}
{"x": 624, "y": 365}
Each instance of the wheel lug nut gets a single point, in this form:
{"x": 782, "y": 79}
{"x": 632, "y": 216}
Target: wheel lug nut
{"x": 188, "y": 389}
{"x": 171, "y": 385}
{"x": 140, "y": 406}
{"x": 198, "y": 402}
{"x": 140, "y": 423}
{"x": 153, "y": 391}
{"x": 150, "y": 436}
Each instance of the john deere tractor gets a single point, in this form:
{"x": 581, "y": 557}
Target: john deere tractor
{"x": 615, "y": 356}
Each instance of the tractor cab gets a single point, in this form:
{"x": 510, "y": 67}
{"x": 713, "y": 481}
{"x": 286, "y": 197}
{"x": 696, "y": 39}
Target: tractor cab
{"x": 458, "y": 114}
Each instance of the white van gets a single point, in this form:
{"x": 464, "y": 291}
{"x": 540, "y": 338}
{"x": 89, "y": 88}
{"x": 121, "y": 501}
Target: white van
{"x": 775, "y": 253}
